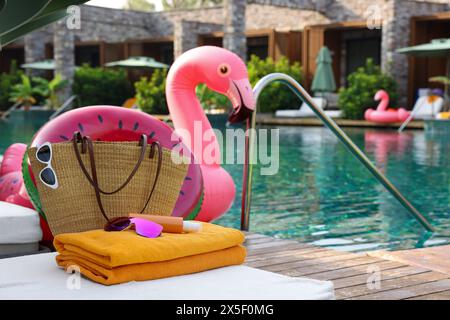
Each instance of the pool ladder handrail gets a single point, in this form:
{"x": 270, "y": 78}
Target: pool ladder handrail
{"x": 341, "y": 135}
{"x": 10, "y": 109}
{"x": 66, "y": 106}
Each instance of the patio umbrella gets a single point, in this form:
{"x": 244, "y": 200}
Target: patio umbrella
{"x": 137, "y": 62}
{"x": 20, "y": 17}
{"x": 323, "y": 77}
{"x": 435, "y": 48}
{"x": 40, "y": 65}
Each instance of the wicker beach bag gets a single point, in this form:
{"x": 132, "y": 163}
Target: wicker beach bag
{"x": 83, "y": 184}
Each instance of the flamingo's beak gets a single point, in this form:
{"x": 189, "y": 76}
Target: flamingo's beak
{"x": 241, "y": 96}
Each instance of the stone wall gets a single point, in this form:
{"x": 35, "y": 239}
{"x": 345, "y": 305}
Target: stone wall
{"x": 234, "y": 27}
{"x": 64, "y": 55}
{"x": 186, "y": 34}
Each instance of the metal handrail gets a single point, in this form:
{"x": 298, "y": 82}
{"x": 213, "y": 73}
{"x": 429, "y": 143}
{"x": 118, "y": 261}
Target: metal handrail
{"x": 67, "y": 105}
{"x": 305, "y": 97}
{"x": 10, "y": 109}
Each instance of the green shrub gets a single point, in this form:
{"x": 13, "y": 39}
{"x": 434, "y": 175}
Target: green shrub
{"x": 151, "y": 94}
{"x": 7, "y": 81}
{"x": 362, "y": 86}
{"x": 277, "y": 95}
{"x": 97, "y": 86}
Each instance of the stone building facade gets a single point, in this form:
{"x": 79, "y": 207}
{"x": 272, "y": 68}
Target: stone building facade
{"x": 295, "y": 28}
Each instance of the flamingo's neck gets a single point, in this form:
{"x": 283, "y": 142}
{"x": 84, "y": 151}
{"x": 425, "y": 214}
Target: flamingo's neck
{"x": 384, "y": 103}
{"x": 189, "y": 119}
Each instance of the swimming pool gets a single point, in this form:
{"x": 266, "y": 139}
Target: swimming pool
{"x": 322, "y": 195}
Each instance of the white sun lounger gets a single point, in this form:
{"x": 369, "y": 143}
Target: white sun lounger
{"x": 38, "y": 277}
{"x": 306, "y": 112}
{"x": 20, "y": 231}
{"x": 423, "y": 109}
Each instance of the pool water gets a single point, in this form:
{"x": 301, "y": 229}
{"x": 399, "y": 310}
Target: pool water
{"x": 324, "y": 196}
{"x": 20, "y": 127}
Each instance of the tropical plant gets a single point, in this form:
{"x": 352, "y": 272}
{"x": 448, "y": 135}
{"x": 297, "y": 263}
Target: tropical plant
{"x": 96, "y": 86}
{"x": 51, "y": 90}
{"x": 277, "y": 95}
{"x": 151, "y": 94}
{"x": 139, "y": 5}
{"x": 357, "y": 97}
{"x": 25, "y": 93}
{"x": 184, "y": 4}
{"x": 7, "y": 81}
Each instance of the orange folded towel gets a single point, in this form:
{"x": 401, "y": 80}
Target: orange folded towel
{"x": 117, "y": 257}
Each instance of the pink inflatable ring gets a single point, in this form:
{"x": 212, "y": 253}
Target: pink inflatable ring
{"x": 109, "y": 123}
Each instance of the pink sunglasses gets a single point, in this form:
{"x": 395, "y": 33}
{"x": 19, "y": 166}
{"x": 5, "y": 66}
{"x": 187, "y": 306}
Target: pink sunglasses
{"x": 143, "y": 227}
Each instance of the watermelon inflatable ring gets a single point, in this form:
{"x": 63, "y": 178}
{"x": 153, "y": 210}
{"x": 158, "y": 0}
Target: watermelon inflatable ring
{"x": 110, "y": 123}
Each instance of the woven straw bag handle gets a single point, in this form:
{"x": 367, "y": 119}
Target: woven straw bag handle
{"x": 86, "y": 144}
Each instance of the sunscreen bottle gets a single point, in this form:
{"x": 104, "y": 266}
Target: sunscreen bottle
{"x": 170, "y": 224}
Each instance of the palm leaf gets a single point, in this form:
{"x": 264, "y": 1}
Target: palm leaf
{"x": 441, "y": 79}
{"x": 20, "y": 21}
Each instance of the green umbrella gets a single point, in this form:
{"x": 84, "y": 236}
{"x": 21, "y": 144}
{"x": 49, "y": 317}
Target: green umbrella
{"x": 435, "y": 48}
{"x": 323, "y": 78}
{"x": 137, "y": 62}
{"x": 20, "y": 17}
{"x": 40, "y": 65}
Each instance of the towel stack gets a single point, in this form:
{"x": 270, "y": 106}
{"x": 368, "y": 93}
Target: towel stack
{"x": 118, "y": 257}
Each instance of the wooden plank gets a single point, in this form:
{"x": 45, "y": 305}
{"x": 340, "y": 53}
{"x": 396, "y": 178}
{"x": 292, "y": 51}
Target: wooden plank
{"x": 396, "y": 288}
{"x": 273, "y": 243}
{"x": 432, "y": 258}
{"x": 286, "y": 253}
{"x": 409, "y": 292}
{"x": 335, "y": 265}
{"x": 353, "y": 271}
{"x": 384, "y": 275}
{"x": 444, "y": 295}
{"x": 253, "y": 251}
{"x": 258, "y": 240}
{"x": 298, "y": 259}
{"x": 250, "y": 235}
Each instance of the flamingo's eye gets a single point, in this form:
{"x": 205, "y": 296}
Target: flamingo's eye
{"x": 224, "y": 69}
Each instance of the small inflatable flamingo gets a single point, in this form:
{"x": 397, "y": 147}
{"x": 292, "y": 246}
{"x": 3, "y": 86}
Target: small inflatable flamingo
{"x": 223, "y": 72}
{"x": 383, "y": 114}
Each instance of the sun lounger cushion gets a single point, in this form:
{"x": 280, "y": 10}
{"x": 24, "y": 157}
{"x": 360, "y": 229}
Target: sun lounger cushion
{"x": 306, "y": 112}
{"x": 18, "y": 224}
{"x": 37, "y": 277}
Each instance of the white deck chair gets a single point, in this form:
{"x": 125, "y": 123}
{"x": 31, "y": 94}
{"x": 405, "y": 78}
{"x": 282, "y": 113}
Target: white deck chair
{"x": 306, "y": 112}
{"x": 424, "y": 109}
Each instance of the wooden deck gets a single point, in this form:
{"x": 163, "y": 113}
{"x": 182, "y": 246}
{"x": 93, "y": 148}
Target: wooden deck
{"x": 270, "y": 119}
{"x": 354, "y": 274}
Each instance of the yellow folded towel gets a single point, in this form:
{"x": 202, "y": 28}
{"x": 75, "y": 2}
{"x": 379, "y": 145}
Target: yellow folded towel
{"x": 117, "y": 257}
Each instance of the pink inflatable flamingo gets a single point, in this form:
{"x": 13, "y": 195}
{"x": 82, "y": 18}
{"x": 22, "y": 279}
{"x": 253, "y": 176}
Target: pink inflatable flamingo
{"x": 208, "y": 191}
{"x": 383, "y": 114}
{"x": 223, "y": 72}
